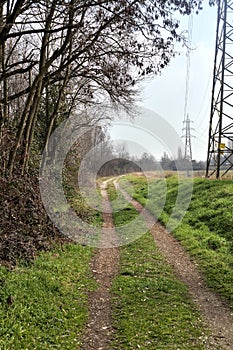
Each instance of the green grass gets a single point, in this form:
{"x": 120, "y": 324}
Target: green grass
{"x": 89, "y": 214}
{"x": 119, "y": 206}
{"x": 112, "y": 194}
{"x": 50, "y": 295}
{"x": 129, "y": 224}
{"x": 151, "y": 308}
{"x": 49, "y": 308}
{"x": 82, "y": 207}
{"x": 136, "y": 182}
{"x": 206, "y": 230}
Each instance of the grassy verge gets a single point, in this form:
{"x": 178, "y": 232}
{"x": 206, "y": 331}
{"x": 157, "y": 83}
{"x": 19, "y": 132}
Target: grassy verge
{"x": 49, "y": 307}
{"x": 43, "y": 304}
{"x": 206, "y": 229}
{"x": 151, "y": 308}
{"x": 82, "y": 207}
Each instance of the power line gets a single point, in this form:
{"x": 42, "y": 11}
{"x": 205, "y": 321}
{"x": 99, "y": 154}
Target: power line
{"x": 188, "y": 63}
{"x": 201, "y": 113}
{"x": 187, "y": 128}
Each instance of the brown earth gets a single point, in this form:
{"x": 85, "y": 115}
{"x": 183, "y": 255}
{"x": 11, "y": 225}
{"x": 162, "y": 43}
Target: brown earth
{"x": 25, "y": 228}
{"x": 104, "y": 267}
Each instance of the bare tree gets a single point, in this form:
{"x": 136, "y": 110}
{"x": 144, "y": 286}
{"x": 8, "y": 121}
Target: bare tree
{"x": 77, "y": 52}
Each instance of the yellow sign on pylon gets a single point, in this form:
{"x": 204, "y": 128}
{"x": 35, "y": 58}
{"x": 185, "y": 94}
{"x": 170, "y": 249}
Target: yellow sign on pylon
{"x": 222, "y": 147}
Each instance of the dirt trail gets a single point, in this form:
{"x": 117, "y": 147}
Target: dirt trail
{"x": 104, "y": 267}
{"x": 217, "y": 315}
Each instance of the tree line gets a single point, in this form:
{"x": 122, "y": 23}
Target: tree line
{"x": 122, "y": 162}
{"x": 62, "y": 58}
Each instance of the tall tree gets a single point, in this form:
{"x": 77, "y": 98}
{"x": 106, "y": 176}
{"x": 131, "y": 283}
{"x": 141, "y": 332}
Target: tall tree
{"x": 88, "y": 51}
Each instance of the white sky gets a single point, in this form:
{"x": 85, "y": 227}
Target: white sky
{"x": 165, "y": 94}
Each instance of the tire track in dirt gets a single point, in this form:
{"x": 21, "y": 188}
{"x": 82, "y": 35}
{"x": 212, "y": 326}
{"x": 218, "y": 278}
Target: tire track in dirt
{"x": 216, "y": 314}
{"x": 105, "y": 265}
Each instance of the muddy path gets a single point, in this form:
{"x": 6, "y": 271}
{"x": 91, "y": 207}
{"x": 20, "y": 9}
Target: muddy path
{"x": 104, "y": 267}
{"x": 216, "y": 314}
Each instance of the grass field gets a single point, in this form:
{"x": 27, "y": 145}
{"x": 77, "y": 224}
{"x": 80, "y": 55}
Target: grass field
{"x": 206, "y": 230}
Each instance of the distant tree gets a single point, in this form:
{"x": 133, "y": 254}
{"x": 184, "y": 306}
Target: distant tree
{"x": 180, "y": 154}
{"x": 120, "y": 151}
{"x": 166, "y": 162}
{"x": 198, "y": 165}
{"x": 147, "y": 162}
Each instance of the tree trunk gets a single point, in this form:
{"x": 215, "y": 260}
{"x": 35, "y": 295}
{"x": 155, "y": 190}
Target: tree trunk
{"x": 29, "y": 129}
{"x": 34, "y": 97}
{"x": 22, "y": 125}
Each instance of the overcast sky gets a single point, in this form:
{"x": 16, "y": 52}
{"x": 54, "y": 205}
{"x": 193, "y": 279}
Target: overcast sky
{"x": 165, "y": 94}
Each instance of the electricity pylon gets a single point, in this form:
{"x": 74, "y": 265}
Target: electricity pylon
{"x": 220, "y": 145}
{"x": 188, "y": 147}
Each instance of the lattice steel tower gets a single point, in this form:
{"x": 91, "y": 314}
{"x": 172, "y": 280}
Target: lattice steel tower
{"x": 188, "y": 147}
{"x": 220, "y": 145}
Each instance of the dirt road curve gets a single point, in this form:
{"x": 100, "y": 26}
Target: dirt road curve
{"x": 217, "y": 315}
